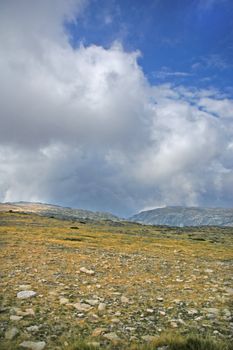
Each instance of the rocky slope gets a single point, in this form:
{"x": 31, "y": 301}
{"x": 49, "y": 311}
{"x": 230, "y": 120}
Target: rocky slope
{"x": 181, "y": 216}
{"x": 113, "y": 286}
{"x": 56, "y": 211}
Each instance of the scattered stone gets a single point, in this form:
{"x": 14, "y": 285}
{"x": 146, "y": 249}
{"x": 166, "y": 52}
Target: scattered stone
{"x": 162, "y": 313}
{"x": 63, "y": 301}
{"x": 3, "y": 309}
{"x": 150, "y": 311}
{"x": 98, "y": 331}
{"x": 11, "y": 333}
{"x": 39, "y": 345}
{"x": 15, "y": 318}
{"x": 229, "y": 290}
{"x": 124, "y": 299}
{"x": 92, "y": 302}
{"x": 149, "y": 338}
{"x": 25, "y": 294}
{"x": 33, "y": 329}
{"x": 192, "y": 312}
{"x": 27, "y": 312}
{"x": 25, "y": 287}
{"x": 173, "y": 324}
{"x": 159, "y": 299}
{"x": 112, "y": 337}
{"x": 101, "y": 307}
{"x": 82, "y": 307}
{"x": 86, "y": 271}
{"x": 227, "y": 313}
{"x": 115, "y": 320}
{"x": 93, "y": 344}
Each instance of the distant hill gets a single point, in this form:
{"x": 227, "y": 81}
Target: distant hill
{"x": 182, "y": 216}
{"x": 56, "y": 211}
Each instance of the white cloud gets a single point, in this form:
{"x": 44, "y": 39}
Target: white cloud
{"x": 222, "y": 108}
{"x": 84, "y": 127}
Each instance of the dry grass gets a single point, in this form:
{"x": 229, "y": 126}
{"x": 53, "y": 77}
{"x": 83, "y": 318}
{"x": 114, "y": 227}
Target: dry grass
{"x": 140, "y": 262}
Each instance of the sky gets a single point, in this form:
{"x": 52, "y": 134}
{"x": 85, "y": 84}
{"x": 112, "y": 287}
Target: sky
{"x": 117, "y": 106}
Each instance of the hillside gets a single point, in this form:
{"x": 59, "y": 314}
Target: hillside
{"x": 56, "y": 211}
{"x": 117, "y": 287}
{"x": 182, "y": 216}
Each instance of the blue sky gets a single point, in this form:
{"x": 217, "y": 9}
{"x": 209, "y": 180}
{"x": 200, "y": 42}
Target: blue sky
{"x": 118, "y": 106}
{"x": 186, "y": 42}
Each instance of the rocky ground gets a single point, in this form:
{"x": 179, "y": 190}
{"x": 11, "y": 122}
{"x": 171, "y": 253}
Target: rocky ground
{"x": 110, "y": 283}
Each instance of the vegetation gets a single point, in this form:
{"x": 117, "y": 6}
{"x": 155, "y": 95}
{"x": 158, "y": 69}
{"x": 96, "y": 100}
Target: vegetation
{"x": 142, "y": 287}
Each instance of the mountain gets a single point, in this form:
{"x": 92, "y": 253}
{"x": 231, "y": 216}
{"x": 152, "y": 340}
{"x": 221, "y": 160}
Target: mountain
{"x": 182, "y": 216}
{"x": 56, "y": 211}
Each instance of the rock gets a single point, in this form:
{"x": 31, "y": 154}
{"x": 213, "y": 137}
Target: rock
{"x": 3, "y": 309}
{"x": 27, "y": 312}
{"x": 124, "y": 299}
{"x": 25, "y": 294}
{"x": 173, "y": 324}
{"x": 150, "y": 311}
{"x": 63, "y": 300}
{"x": 39, "y": 345}
{"x": 93, "y": 344}
{"x": 98, "y": 331}
{"x": 229, "y": 290}
{"x": 101, "y": 307}
{"x": 92, "y": 302}
{"x": 162, "y": 313}
{"x": 192, "y": 312}
{"x": 11, "y": 333}
{"x": 25, "y": 287}
{"x": 212, "y": 310}
{"x": 15, "y": 318}
{"x": 149, "y": 338}
{"x": 33, "y": 329}
{"x": 227, "y": 313}
{"x": 86, "y": 271}
{"x": 112, "y": 337}
{"x": 159, "y": 299}
{"x": 82, "y": 307}
{"x": 115, "y": 320}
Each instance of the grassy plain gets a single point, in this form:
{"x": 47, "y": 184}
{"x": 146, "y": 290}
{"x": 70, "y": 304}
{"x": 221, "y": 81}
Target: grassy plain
{"x": 152, "y": 287}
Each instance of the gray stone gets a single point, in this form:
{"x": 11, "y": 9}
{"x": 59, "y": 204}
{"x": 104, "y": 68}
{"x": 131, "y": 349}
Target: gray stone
{"x": 25, "y": 294}
{"x": 39, "y": 345}
{"x": 112, "y": 337}
{"x": 149, "y": 338}
{"x": 33, "y": 329}
{"x": 15, "y": 318}
{"x": 82, "y": 307}
{"x": 11, "y": 333}
{"x": 124, "y": 299}
{"x": 101, "y": 307}
{"x": 159, "y": 299}
{"x": 63, "y": 300}
{"x": 92, "y": 302}
{"x": 86, "y": 271}
{"x": 25, "y": 287}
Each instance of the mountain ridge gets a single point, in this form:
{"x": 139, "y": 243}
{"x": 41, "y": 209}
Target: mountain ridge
{"x": 177, "y": 216}
{"x": 57, "y": 211}
{"x": 185, "y": 216}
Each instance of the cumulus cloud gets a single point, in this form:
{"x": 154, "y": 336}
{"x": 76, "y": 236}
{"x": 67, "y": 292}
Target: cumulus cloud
{"x": 84, "y": 127}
